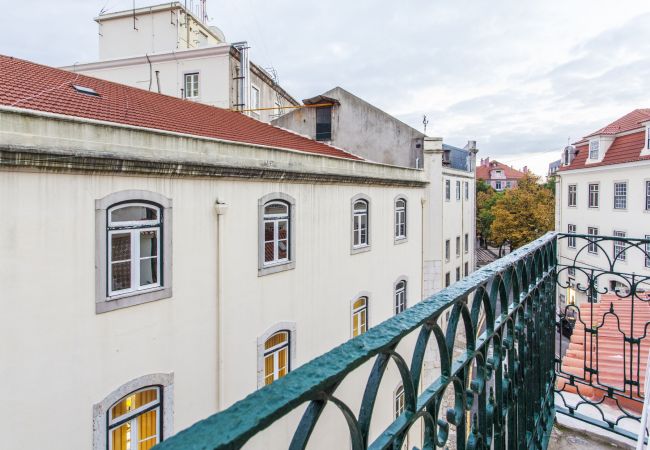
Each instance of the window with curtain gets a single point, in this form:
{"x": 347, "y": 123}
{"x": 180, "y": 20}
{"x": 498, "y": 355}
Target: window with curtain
{"x": 276, "y": 356}
{"x": 360, "y": 316}
{"x": 400, "y": 297}
{"x": 277, "y": 226}
{"x": 134, "y": 259}
{"x": 400, "y": 218}
{"x": 360, "y": 223}
{"x": 134, "y": 422}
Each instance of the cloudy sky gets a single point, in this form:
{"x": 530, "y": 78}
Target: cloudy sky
{"x": 520, "y": 77}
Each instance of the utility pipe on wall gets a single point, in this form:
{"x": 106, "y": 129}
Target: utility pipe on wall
{"x": 220, "y": 208}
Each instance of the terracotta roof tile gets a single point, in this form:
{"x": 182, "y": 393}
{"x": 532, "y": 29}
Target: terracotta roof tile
{"x": 483, "y": 171}
{"x": 27, "y": 85}
{"x": 628, "y": 122}
{"x": 624, "y": 149}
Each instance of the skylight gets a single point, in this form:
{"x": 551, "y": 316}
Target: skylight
{"x": 85, "y": 90}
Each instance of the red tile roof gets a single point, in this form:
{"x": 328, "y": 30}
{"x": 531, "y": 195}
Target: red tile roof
{"x": 628, "y": 122}
{"x": 608, "y": 345}
{"x": 624, "y": 149}
{"x": 483, "y": 171}
{"x": 27, "y": 85}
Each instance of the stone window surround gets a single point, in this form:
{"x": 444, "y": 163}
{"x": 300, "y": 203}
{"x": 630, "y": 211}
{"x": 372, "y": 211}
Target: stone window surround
{"x": 280, "y": 326}
{"x": 364, "y": 248}
{"x": 104, "y": 303}
{"x": 100, "y": 410}
{"x": 263, "y": 269}
{"x": 399, "y": 240}
{"x": 368, "y": 297}
{"x": 399, "y": 279}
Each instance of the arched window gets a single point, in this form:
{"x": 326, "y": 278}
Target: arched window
{"x": 134, "y": 257}
{"x": 360, "y": 224}
{"x": 399, "y": 405}
{"x": 400, "y": 296}
{"x": 276, "y": 356}
{"x": 360, "y": 316}
{"x": 276, "y": 232}
{"x": 135, "y": 422}
{"x": 400, "y": 218}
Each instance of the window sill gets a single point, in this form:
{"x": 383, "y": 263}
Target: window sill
{"x": 360, "y": 249}
{"x": 400, "y": 240}
{"x": 132, "y": 299}
{"x": 275, "y": 268}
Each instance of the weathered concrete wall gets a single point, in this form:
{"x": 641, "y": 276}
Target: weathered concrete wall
{"x": 363, "y": 129}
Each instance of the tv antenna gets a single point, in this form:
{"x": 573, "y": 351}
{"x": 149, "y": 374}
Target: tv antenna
{"x": 425, "y": 122}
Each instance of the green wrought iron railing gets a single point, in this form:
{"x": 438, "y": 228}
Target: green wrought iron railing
{"x": 602, "y": 330}
{"x": 501, "y": 380}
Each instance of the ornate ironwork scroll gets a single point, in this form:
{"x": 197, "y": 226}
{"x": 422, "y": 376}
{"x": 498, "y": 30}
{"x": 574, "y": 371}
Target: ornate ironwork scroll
{"x": 502, "y": 382}
{"x": 602, "y": 329}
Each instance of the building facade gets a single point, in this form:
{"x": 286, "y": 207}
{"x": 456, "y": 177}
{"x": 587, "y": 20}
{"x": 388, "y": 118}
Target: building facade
{"x": 184, "y": 264}
{"x": 169, "y": 50}
{"x": 344, "y": 120}
{"x": 603, "y": 188}
{"x": 498, "y": 175}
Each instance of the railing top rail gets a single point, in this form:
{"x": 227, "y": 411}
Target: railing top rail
{"x": 232, "y": 427}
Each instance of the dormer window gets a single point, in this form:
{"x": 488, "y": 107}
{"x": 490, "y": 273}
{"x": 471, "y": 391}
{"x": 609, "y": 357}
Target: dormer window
{"x": 593, "y": 149}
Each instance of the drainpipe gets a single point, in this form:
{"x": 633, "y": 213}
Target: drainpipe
{"x": 220, "y": 208}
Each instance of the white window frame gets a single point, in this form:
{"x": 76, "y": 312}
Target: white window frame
{"x": 647, "y": 250}
{"x": 274, "y": 352}
{"x": 592, "y": 247}
{"x": 290, "y": 327}
{"x": 647, "y": 195}
{"x": 107, "y": 300}
{"x": 571, "y": 240}
{"x": 447, "y": 249}
{"x": 195, "y": 83}
{"x": 400, "y": 297}
{"x": 358, "y": 312}
{"x": 497, "y": 185}
{"x": 132, "y": 417}
{"x": 594, "y": 194}
{"x": 256, "y": 99}
{"x": 466, "y": 190}
{"x": 620, "y": 195}
{"x": 289, "y": 263}
{"x": 357, "y": 244}
{"x": 466, "y": 242}
{"x": 447, "y": 190}
{"x": 458, "y": 193}
{"x": 458, "y": 251}
{"x": 572, "y": 195}
{"x": 400, "y": 229}
{"x": 101, "y": 410}
{"x": 619, "y": 246}
{"x": 277, "y": 220}
{"x": 594, "y": 149}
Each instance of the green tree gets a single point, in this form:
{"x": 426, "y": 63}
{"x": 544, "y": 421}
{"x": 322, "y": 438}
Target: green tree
{"x": 523, "y": 214}
{"x": 486, "y": 197}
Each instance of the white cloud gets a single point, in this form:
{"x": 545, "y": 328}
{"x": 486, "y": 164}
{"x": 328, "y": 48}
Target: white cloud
{"x": 519, "y": 77}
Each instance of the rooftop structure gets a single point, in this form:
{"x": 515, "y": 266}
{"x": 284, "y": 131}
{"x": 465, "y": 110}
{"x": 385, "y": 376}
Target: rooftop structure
{"x": 498, "y": 175}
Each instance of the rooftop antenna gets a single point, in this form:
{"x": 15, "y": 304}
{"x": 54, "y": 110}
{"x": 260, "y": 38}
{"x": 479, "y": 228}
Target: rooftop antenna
{"x": 425, "y": 122}
{"x": 203, "y": 11}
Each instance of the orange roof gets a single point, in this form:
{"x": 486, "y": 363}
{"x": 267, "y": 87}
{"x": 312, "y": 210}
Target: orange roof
{"x": 628, "y": 122}
{"x": 483, "y": 171}
{"x": 614, "y": 356}
{"x": 27, "y": 85}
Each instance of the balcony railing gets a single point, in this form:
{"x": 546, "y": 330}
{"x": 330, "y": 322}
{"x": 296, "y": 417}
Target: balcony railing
{"x": 495, "y": 387}
{"x": 603, "y": 326}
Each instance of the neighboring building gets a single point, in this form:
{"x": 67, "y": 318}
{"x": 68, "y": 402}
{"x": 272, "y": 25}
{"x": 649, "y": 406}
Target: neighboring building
{"x": 181, "y": 264}
{"x": 554, "y": 167}
{"x": 499, "y": 176}
{"x": 603, "y": 188}
{"x": 346, "y": 121}
{"x": 167, "y": 49}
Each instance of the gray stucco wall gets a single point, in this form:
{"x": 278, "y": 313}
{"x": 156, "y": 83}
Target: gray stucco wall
{"x": 362, "y": 129}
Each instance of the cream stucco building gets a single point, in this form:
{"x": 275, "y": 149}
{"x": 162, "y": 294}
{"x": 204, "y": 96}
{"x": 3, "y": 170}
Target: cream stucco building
{"x": 168, "y": 49}
{"x": 155, "y": 269}
{"x": 603, "y": 188}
